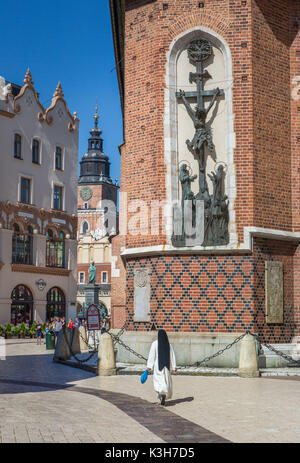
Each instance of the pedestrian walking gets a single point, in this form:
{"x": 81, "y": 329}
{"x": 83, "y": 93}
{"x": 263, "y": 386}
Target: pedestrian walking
{"x": 162, "y": 361}
{"x": 39, "y": 333}
{"x": 77, "y": 323}
{"x": 57, "y": 327}
{"x": 70, "y": 324}
{"x": 47, "y": 330}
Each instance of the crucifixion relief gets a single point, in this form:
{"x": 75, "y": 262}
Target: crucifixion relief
{"x": 215, "y": 205}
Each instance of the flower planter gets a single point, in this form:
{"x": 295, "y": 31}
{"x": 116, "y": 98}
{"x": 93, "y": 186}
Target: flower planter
{"x": 8, "y": 336}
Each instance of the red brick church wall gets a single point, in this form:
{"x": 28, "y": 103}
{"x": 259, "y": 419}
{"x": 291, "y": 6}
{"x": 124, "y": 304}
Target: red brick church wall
{"x": 222, "y": 293}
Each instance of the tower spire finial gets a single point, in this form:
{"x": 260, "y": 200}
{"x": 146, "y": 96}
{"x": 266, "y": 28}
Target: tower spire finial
{"x": 28, "y": 78}
{"x": 96, "y": 116}
{"x": 58, "y": 92}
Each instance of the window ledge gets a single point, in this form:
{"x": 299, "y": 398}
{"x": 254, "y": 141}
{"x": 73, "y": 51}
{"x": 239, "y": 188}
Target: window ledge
{"x": 44, "y": 270}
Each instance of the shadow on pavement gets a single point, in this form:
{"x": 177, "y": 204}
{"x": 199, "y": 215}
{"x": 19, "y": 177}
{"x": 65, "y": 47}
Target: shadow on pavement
{"x": 171, "y": 403}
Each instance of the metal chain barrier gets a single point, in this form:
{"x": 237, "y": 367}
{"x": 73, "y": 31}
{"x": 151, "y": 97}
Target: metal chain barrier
{"x": 276, "y": 351}
{"x": 73, "y": 354}
{"x": 207, "y": 359}
{"x": 86, "y": 343}
{"x": 118, "y": 340}
{"x": 216, "y": 354}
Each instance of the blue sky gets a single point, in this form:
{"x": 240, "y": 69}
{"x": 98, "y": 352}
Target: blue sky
{"x": 70, "y": 42}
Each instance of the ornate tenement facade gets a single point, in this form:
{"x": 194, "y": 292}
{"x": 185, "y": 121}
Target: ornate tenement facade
{"x": 97, "y": 200}
{"x": 210, "y": 99}
{"x": 38, "y": 202}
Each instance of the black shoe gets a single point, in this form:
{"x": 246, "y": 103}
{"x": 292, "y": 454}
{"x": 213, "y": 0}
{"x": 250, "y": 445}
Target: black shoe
{"x": 163, "y": 400}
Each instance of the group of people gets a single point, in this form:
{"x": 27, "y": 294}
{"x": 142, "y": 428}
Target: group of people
{"x": 55, "y": 325}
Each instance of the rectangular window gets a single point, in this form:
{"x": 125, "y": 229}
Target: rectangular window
{"x": 35, "y": 151}
{"x": 81, "y": 277}
{"x": 104, "y": 277}
{"x": 58, "y": 197}
{"x": 22, "y": 249}
{"x": 25, "y": 190}
{"x": 18, "y": 146}
{"x": 55, "y": 253}
{"x": 58, "y": 158}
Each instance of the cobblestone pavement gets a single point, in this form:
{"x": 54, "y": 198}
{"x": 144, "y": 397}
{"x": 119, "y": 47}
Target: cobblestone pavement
{"x": 41, "y": 401}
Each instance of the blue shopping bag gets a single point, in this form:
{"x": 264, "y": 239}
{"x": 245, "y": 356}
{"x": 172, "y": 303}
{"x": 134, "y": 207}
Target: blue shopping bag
{"x": 144, "y": 377}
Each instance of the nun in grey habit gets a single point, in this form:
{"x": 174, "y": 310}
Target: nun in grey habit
{"x": 162, "y": 361}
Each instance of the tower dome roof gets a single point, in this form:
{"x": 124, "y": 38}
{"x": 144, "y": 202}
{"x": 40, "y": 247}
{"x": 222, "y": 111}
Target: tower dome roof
{"x": 95, "y": 165}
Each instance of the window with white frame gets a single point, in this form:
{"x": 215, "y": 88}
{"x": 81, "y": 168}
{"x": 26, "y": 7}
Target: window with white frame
{"x": 85, "y": 227}
{"x": 17, "y": 146}
{"x": 58, "y": 197}
{"x": 35, "y": 151}
{"x": 81, "y": 277}
{"x": 58, "y": 158}
{"x": 25, "y": 190}
{"x": 104, "y": 277}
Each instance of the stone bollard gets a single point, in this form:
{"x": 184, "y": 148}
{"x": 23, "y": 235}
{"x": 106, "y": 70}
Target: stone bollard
{"x": 106, "y": 356}
{"x": 75, "y": 341}
{"x": 83, "y": 339}
{"x": 62, "y": 351}
{"x": 248, "y": 366}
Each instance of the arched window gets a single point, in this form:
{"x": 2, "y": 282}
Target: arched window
{"x": 35, "y": 151}
{"x": 18, "y": 146}
{"x": 85, "y": 227}
{"x": 56, "y": 304}
{"x": 21, "y": 305}
{"x": 55, "y": 250}
{"x": 22, "y": 246}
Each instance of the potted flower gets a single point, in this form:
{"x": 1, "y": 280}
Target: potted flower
{"x": 22, "y": 330}
{"x": 33, "y": 330}
{"x": 15, "y": 331}
{"x": 2, "y": 330}
{"x": 27, "y": 332}
{"x": 8, "y": 331}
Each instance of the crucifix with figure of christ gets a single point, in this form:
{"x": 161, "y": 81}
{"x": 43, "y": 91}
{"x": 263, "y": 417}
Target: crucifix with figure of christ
{"x": 198, "y": 52}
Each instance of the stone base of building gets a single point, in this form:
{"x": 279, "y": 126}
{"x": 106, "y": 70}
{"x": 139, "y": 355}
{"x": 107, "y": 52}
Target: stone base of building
{"x": 192, "y": 347}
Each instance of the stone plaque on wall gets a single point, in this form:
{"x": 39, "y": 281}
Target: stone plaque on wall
{"x": 274, "y": 291}
{"x": 142, "y": 295}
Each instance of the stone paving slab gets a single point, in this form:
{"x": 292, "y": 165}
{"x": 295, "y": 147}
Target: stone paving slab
{"x": 44, "y": 401}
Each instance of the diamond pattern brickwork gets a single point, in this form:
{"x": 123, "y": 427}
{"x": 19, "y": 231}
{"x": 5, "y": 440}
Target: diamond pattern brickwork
{"x": 202, "y": 293}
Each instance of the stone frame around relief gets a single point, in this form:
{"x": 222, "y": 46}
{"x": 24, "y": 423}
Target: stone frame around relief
{"x": 274, "y": 292}
{"x": 142, "y": 293}
{"x": 170, "y": 127}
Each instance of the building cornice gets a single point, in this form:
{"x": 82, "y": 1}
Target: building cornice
{"x": 233, "y": 248}
{"x": 40, "y": 219}
{"x": 40, "y": 270}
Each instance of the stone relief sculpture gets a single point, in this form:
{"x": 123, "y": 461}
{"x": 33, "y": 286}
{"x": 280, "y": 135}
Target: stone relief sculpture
{"x": 216, "y": 216}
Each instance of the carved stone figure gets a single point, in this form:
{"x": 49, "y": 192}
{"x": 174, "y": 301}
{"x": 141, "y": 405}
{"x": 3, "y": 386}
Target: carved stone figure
{"x": 185, "y": 180}
{"x": 217, "y": 223}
